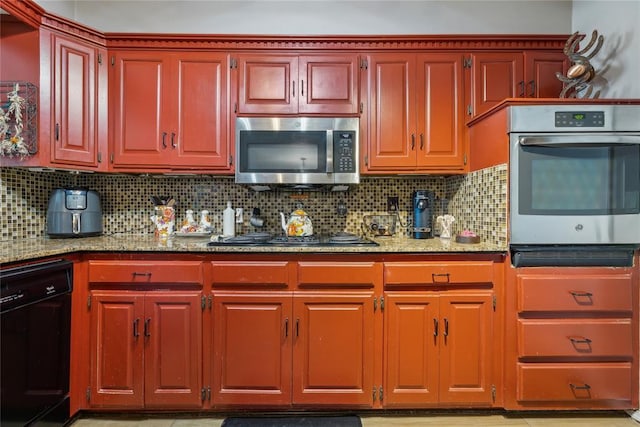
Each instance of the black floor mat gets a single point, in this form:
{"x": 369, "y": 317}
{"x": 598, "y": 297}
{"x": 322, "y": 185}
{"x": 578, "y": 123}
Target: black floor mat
{"x": 297, "y": 421}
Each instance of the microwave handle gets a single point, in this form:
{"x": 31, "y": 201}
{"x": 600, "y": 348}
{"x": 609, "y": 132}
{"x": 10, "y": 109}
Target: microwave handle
{"x": 578, "y": 139}
{"x": 329, "y": 151}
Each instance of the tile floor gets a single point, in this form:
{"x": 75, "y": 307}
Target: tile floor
{"x": 607, "y": 419}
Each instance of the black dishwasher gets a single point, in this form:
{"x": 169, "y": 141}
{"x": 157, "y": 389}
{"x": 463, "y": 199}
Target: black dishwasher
{"x": 35, "y": 318}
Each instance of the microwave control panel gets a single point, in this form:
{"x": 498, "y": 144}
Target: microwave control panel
{"x": 344, "y": 151}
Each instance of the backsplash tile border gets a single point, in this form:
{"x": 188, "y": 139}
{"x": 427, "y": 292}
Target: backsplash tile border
{"x": 478, "y": 201}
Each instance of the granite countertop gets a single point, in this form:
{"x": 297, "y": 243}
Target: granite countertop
{"x": 20, "y": 250}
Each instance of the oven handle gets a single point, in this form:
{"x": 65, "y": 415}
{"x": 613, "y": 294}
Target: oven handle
{"x": 578, "y": 139}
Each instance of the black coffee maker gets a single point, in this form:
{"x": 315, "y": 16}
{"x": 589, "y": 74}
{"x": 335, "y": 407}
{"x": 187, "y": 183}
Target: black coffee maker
{"x": 423, "y": 202}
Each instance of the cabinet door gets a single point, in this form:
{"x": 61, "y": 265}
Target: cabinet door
{"x": 117, "y": 378}
{"x": 138, "y": 100}
{"x": 267, "y": 84}
{"x": 392, "y": 121}
{"x": 75, "y": 103}
{"x": 411, "y": 330}
{"x": 252, "y": 335}
{"x": 172, "y": 331}
{"x": 333, "y": 351}
{"x": 199, "y": 133}
{"x": 495, "y": 76}
{"x": 540, "y": 73}
{"x": 440, "y": 110}
{"x": 465, "y": 338}
{"x": 328, "y": 84}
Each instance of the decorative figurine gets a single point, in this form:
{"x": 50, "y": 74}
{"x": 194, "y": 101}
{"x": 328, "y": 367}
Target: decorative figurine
{"x": 581, "y": 73}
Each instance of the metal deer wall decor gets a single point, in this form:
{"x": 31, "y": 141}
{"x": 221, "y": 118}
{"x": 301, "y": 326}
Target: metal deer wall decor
{"x": 578, "y": 81}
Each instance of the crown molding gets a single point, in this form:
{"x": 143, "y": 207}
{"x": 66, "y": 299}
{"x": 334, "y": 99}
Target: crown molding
{"x": 311, "y": 43}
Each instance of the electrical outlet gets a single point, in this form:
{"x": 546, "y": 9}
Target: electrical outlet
{"x": 392, "y": 204}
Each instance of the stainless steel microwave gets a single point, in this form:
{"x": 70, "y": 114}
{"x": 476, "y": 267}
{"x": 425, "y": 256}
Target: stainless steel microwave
{"x": 297, "y": 150}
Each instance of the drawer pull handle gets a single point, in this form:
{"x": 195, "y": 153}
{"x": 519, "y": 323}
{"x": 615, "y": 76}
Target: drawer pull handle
{"x": 286, "y": 327}
{"x": 434, "y": 277}
{"x": 581, "y": 340}
{"x": 580, "y": 387}
{"x": 446, "y": 327}
{"x": 581, "y": 294}
{"x": 136, "y": 273}
{"x": 435, "y": 327}
{"x": 297, "y": 327}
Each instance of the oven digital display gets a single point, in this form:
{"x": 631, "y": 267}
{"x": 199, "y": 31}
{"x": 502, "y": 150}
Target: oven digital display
{"x": 575, "y": 119}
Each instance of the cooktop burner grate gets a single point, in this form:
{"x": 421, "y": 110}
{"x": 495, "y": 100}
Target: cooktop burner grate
{"x": 266, "y": 239}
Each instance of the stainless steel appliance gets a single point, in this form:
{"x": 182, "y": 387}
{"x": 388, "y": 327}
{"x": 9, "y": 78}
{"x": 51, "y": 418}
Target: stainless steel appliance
{"x": 74, "y": 212}
{"x": 341, "y": 239}
{"x": 297, "y": 150}
{"x": 574, "y": 174}
{"x": 35, "y": 316}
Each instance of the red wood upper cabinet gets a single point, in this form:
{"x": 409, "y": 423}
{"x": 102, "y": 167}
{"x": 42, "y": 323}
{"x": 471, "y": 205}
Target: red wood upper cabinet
{"x": 494, "y": 77}
{"x": 540, "y": 70}
{"x": 170, "y": 110}
{"x": 78, "y": 126}
{"x": 499, "y": 75}
{"x": 292, "y": 84}
{"x": 415, "y": 112}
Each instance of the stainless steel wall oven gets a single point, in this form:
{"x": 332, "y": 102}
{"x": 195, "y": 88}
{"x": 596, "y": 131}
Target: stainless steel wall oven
{"x": 574, "y": 173}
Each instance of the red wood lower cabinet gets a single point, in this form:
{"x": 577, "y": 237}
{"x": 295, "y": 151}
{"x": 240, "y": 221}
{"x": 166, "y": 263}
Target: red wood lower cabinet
{"x": 146, "y": 349}
{"x": 252, "y": 350}
{"x": 283, "y": 348}
{"x": 437, "y": 348}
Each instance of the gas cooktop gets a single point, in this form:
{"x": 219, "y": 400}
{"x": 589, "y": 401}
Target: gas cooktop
{"x": 266, "y": 239}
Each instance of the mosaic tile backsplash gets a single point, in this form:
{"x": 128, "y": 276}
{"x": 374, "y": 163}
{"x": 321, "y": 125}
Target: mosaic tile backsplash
{"x": 477, "y": 200}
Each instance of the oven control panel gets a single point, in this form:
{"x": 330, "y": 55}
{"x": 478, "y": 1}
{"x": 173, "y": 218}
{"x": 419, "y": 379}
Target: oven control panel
{"x": 578, "y": 119}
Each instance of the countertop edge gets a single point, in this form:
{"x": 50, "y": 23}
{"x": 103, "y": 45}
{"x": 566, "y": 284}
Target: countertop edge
{"x": 28, "y": 249}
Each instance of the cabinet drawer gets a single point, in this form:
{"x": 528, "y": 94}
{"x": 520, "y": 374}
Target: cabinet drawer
{"x": 342, "y": 274}
{"x": 576, "y": 382}
{"x": 145, "y": 272}
{"x": 577, "y": 292}
{"x": 575, "y": 338}
{"x": 437, "y": 273}
{"x": 255, "y": 273}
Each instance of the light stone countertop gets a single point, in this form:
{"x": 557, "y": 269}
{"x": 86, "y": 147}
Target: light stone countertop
{"x": 21, "y": 250}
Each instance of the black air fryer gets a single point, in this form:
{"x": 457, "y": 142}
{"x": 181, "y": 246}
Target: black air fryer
{"x": 74, "y": 212}
{"x": 423, "y": 201}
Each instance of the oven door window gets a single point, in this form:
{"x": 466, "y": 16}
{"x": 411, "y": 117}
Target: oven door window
{"x": 283, "y": 151}
{"x": 579, "y": 180}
